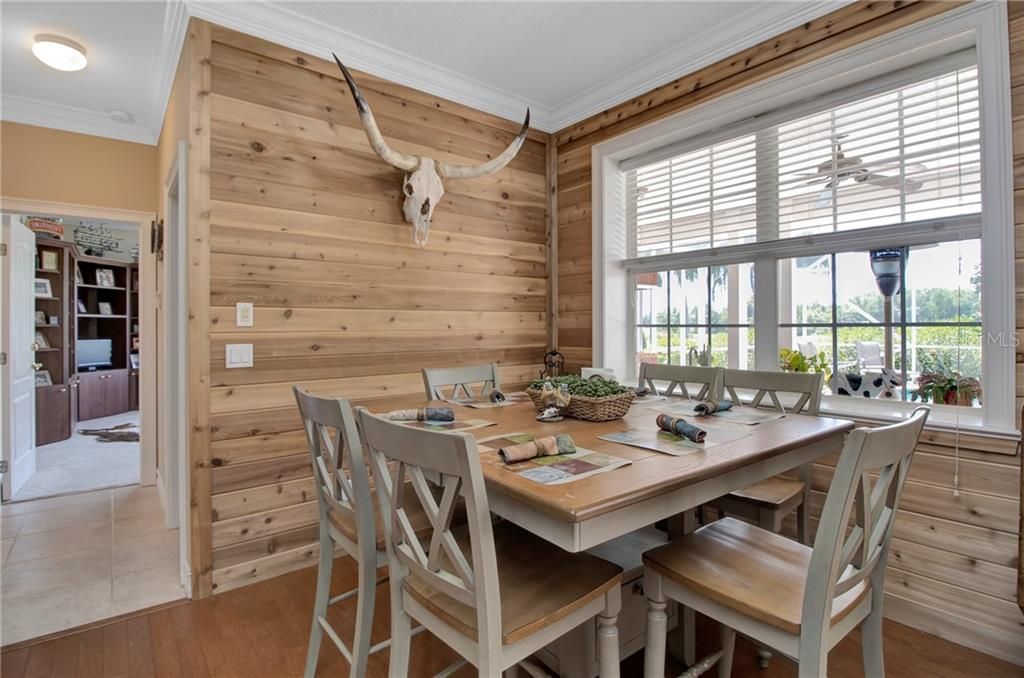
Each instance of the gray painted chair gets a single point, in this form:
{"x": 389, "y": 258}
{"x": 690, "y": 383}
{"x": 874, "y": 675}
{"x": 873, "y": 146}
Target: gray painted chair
{"x": 494, "y": 593}
{"x": 798, "y": 600}
{"x": 461, "y": 380}
{"x": 769, "y": 502}
{"x": 347, "y": 520}
{"x": 708, "y": 379}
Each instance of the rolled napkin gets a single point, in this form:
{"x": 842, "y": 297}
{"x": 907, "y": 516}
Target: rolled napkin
{"x": 681, "y": 427}
{"x": 422, "y": 414}
{"x": 705, "y": 407}
{"x": 538, "y": 447}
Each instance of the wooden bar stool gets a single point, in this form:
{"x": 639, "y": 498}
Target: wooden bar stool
{"x": 494, "y": 593}
{"x": 798, "y": 600}
{"x": 708, "y": 379}
{"x": 461, "y": 379}
{"x": 768, "y": 502}
{"x": 347, "y": 521}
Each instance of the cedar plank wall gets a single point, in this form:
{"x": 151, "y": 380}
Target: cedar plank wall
{"x": 305, "y": 222}
{"x": 953, "y": 569}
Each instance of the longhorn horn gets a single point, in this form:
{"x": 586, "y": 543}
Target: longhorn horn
{"x": 380, "y": 147}
{"x": 491, "y": 166}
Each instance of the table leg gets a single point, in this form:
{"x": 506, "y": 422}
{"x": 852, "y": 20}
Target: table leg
{"x": 682, "y": 641}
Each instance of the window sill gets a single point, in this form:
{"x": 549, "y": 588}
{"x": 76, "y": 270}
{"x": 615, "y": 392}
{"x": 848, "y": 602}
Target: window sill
{"x": 942, "y": 417}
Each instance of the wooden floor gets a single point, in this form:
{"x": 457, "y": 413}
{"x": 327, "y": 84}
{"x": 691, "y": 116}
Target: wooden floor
{"x": 261, "y": 630}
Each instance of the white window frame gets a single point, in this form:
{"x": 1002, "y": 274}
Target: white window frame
{"x": 981, "y": 25}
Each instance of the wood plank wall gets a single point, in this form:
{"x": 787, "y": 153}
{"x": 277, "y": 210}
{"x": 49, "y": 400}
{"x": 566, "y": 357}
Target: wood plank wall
{"x": 955, "y": 564}
{"x": 305, "y": 222}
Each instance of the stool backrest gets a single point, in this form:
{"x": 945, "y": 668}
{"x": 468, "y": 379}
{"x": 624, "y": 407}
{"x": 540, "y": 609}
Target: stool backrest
{"x": 339, "y": 468}
{"x": 404, "y": 458}
{"x": 805, "y": 385}
{"x": 461, "y": 379}
{"x": 708, "y": 379}
{"x": 866, "y": 486}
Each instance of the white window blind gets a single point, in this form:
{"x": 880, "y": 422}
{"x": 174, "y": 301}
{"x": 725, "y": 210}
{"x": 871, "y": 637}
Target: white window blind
{"x": 906, "y": 154}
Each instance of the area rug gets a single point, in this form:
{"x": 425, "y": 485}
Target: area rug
{"x": 85, "y": 462}
{"x": 122, "y": 433}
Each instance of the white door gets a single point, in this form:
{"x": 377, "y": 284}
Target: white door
{"x": 19, "y": 389}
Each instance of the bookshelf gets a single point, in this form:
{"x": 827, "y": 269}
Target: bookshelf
{"x": 103, "y": 309}
{"x": 53, "y": 343}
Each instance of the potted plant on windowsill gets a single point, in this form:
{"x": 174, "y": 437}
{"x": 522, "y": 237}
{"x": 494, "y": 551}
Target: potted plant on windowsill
{"x": 947, "y": 388}
{"x": 795, "y": 361}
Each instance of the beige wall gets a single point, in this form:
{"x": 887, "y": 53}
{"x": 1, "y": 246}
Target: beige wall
{"x": 57, "y": 166}
{"x": 173, "y": 130}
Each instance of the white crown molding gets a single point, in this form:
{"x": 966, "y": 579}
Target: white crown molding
{"x": 70, "y": 119}
{"x": 276, "y": 22}
{"x": 743, "y": 31}
{"x": 165, "y": 64}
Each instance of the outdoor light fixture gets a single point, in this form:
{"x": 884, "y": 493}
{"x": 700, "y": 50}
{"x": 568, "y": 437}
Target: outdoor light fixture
{"x": 59, "y": 53}
{"x": 885, "y": 264}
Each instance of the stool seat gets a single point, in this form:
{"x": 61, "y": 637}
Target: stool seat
{"x": 775, "y": 492}
{"x": 539, "y": 584}
{"x": 753, "y": 571}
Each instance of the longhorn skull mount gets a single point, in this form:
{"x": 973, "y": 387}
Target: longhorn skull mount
{"x": 423, "y": 186}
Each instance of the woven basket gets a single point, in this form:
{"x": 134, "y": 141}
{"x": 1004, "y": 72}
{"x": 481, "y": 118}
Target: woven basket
{"x": 607, "y": 408}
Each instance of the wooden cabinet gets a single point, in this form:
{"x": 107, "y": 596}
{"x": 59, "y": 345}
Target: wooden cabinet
{"x": 102, "y": 393}
{"x": 53, "y": 413}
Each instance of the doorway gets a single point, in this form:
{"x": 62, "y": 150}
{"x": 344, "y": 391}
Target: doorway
{"x": 86, "y": 530}
{"x": 86, "y": 340}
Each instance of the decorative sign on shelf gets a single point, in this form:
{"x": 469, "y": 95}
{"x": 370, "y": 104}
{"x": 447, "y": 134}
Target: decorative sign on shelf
{"x": 49, "y": 227}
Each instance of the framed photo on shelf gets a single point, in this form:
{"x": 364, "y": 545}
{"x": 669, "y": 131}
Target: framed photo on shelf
{"x": 81, "y": 307}
{"x": 105, "y": 277}
{"x": 49, "y": 261}
{"x": 40, "y": 318}
{"x": 54, "y": 320}
{"x": 42, "y": 288}
{"x": 105, "y": 308}
{"x": 135, "y": 343}
{"x": 134, "y": 358}
{"x": 41, "y": 341}
{"x": 43, "y": 378}
{"x": 78, "y": 276}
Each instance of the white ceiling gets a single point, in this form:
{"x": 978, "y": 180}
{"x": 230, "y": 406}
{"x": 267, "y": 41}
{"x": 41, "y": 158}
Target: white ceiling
{"x": 132, "y": 50}
{"x": 565, "y": 60}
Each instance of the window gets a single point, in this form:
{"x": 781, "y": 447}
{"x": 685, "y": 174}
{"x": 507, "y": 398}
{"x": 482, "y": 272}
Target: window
{"x": 924, "y": 341}
{"x": 696, "y": 316}
{"x": 854, "y": 200}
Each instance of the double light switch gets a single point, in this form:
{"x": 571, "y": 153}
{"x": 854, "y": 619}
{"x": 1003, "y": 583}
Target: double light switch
{"x": 240, "y": 355}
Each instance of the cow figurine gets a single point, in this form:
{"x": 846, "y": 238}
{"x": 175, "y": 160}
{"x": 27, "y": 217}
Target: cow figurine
{"x": 869, "y": 385}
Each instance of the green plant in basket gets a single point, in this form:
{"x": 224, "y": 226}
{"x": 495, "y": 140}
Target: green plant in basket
{"x": 595, "y": 387}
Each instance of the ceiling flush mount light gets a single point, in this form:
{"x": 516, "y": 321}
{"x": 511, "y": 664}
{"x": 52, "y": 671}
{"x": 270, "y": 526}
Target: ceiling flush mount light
{"x": 58, "y": 52}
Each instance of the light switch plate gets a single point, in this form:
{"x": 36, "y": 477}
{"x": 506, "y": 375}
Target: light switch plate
{"x": 243, "y": 314}
{"x": 237, "y": 355}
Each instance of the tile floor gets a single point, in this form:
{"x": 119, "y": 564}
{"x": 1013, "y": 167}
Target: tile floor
{"x": 79, "y": 558}
{"x": 83, "y": 463}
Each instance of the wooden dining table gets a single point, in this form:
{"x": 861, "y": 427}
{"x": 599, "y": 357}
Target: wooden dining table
{"x": 586, "y": 513}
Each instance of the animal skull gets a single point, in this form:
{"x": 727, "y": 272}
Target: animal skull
{"x": 423, "y": 190}
{"x": 423, "y": 186}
